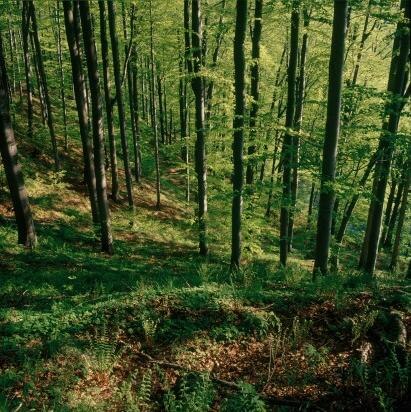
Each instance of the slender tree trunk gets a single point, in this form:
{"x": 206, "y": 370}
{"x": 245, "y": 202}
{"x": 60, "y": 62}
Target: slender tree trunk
{"x": 216, "y": 53}
{"x": 391, "y": 227}
{"x": 238, "y": 127}
{"x": 278, "y": 83}
{"x": 119, "y": 99}
{"x": 97, "y": 121}
{"x": 108, "y": 101}
{"x": 197, "y": 85}
{"x": 310, "y": 204}
{"x": 154, "y": 109}
{"x": 255, "y": 88}
{"x": 61, "y": 72}
{"x": 14, "y": 175}
{"x": 365, "y": 35}
{"x": 332, "y": 129}
{"x": 288, "y": 139}
{"x": 297, "y": 127}
{"x": 39, "y": 85}
{"x": 402, "y": 213}
{"x": 73, "y": 32}
{"x": 43, "y": 81}
{"x": 388, "y": 210}
{"x": 273, "y": 167}
{"x": 161, "y": 107}
{"x": 136, "y": 114}
{"x": 386, "y": 147}
{"x": 27, "y": 69}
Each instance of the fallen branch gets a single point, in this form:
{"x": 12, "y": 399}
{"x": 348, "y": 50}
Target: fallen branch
{"x": 269, "y": 399}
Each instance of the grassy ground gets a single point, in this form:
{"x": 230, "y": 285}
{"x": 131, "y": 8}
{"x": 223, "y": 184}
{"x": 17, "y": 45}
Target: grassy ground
{"x": 155, "y": 327}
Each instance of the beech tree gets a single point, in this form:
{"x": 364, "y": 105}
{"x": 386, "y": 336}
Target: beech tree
{"x": 73, "y": 33}
{"x": 197, "y": 84}
{"x": 12, "y": 168}
{"x": 387, "y": 143}
{"x": 97, "y": 123}
{"x": 238, "y": 127}
{"x": 287, "y": 151}
{"x": 332, "y": 129}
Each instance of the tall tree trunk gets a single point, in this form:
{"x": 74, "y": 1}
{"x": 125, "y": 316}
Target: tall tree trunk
{"x": 43, "y": 81}
{"x": 27, "y": 69}
{"x": 216, "y": 53}
{"x": 197, "y": 85}
{"x": 403, "y": 211}
{"x": 119, "y": 99}
{"x": 61, "y": 73}
{"x": 14, "y": 175}
{"x": 277, "y": 84}
{"x": 161, "y": 107}
{"x": 288, "y": 139}
{"x": 73, "y": 32}
{"x": 136, "y": 114}
{"x": 108, "y": 101}
{"x": 154, "y": 108}
{"x": 97, "y": 121}
{"x": 238, "y": 127}
{"x": 297, "y": 127}
{"x": 255, "y": 88}
{"x": 39, "y": 85}
{"x": 332, "y": 129}
{"x": 386, "y": 146}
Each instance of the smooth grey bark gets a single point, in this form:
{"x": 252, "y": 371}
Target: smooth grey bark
{"x": 238, "y": 134}
{"x": 14, "y": 175}
{"x": 332, "y": 130}
{"x": 97, "y": 123}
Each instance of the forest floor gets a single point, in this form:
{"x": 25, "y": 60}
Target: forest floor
{"x": 155, "y": 327}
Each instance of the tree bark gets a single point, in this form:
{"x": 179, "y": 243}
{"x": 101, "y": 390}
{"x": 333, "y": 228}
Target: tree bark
{"x": 288, "y": 139}
{"x": 97, "y": 122}
{"x": 73, "y": 32}
{"x": 43, "y": 81}
{"x": 108, "y": 101}
{"x": 393, "y": 220}
{"x": 27, "y": 69}
{"x": 197, "y": 85}
{"x": 61, "y": 73}
{"x": 238, "y": 127}
{"x": 14, "y": 175}
{"x": 401, "y": 216}
{"x": 154, "y": 109}
{"x": 255, "y": 88}
{"x": 297, "y": 127}
{"x": 332, "y": 129}
{"x": 386, "y": 146}
{"x": 119, "y": 99}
